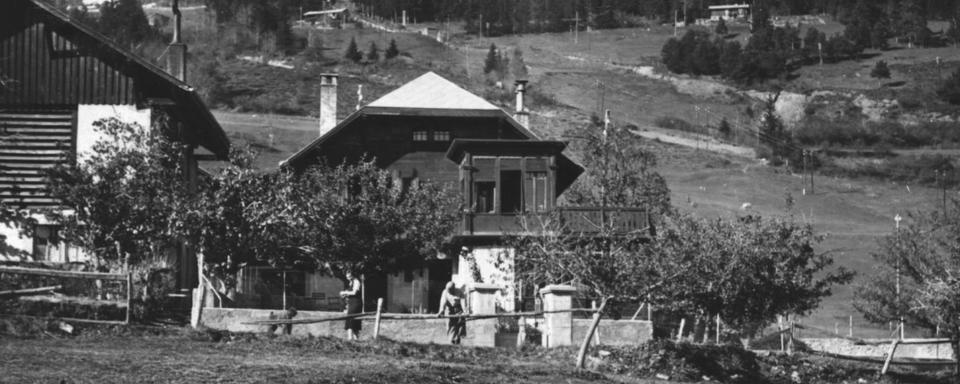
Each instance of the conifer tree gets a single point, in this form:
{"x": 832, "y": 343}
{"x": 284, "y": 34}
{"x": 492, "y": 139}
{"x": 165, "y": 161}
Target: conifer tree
{"x": 392, "y": 50}
{"x": 492, "y": 62}
{"x": 353, "y": 53}
{"x": 373, "y": 54}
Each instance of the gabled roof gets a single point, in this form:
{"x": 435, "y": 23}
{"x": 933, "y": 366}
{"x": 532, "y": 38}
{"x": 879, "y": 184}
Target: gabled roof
{"x": 190, "y": 108}
{"x": 430, "y": 91}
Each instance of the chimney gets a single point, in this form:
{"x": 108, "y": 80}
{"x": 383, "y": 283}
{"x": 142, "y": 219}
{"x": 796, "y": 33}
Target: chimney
{"x": 328, "y": 102}
{"x": 520, "y": 112}
{"x": 177, "y": 51}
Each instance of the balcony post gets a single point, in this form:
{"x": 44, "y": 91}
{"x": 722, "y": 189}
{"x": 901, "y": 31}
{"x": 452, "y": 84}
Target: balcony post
{"x": 466, "y": 170}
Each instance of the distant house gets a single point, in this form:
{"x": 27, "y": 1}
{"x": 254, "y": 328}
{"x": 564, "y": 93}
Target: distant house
{"x": 59, "y": 78}
{"x": 432, "y": 130}
{"x": 729, "y": 12}
{"x": 330, "y": 18}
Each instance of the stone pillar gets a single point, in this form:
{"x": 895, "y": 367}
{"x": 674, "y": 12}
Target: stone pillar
{"x": 559, "y": 326}
{"x": 328, "y": 101}
{"x": 482, "y": 299}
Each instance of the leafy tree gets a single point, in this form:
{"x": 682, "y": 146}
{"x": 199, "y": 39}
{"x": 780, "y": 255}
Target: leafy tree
{"x": 392, "y": 50}
{"x": 721, "y": 28}
{"x": 353, "y": 53}
{"x": 732, "y": 260}
{"x": 373, "y": 54}
{"x": 950, "y": 90}
{"x": 731, "y": 60}
{"x": 125, "y": 194}
{"x": 125, "y": 22}
{"x": 619, "y": 171}
{"x": 880, "y": 70}
{"x": 922, "y": 256}
{"x": 672, "y": 56}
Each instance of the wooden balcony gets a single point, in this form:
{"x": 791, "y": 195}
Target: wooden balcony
{"x": 574, "y": 220}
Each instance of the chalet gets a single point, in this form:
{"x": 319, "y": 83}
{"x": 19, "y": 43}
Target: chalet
{"x": 330, "y": 18}
{"x": 729, "y": 12}
{"x": 432, "y": 130}
{"x": 59, "y": 77}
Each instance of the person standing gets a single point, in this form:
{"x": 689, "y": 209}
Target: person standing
{"x": 452, "y": 304}
{"x": 354, "y": 306}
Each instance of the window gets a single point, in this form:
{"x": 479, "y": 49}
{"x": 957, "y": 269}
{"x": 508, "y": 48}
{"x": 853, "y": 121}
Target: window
{"x": 420, "y": 135}
{"x": 483, "y": 192}
{"x": 511, "y": 192}
{"x": 47, "y": 246}
{"x": 538, "y": 192}
{"x": 441, "y": 135}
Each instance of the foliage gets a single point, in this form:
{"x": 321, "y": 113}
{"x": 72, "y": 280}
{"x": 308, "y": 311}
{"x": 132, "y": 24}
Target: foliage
{"x": 774, "y": 134}
{"x": 724, "y": 128}
{"x": 619, "y": 172}
{"x": 125, "y": 194}
{"x": 950, "y": 90}
{"x": 493, "y": 61}
{"x": 353, "y": 52}
{"x": 125, "y": 22}
{"x": 373, "y": 54}
{"x": 721, "y": 28}
{"x": 880, "y": 70}
{"x": 392, "y": 50}
{"x": 867, "y": 25}
{"x": 266, "y": 18}
{"x": 922, "y": 257}
{"x": 732, "y": 260}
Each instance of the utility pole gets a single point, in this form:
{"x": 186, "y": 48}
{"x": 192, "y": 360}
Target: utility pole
{"x": 803, "y": 175}
{"x": 576, "y": 28}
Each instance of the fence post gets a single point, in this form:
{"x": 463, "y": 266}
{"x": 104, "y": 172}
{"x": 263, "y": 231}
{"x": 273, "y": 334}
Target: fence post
{"x": 483, "y": 301}
{"x": 521, "y": 331}
{"x": 718, "y": 329}
{"x": 376, "y": 323}
{"x": 559, "y": 326}
{"x": 129, "y": 296}
{"x": 582, "y": 355}
{"x": 780, "y": 329}
{"x": 886, "y": 363}
{"x": 683, "y": 322}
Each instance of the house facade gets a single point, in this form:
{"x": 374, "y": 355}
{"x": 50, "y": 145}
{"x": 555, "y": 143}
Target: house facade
{"x": 59, "y": 78}
{"x": 729, "y": 12}
{"x": 431, "y": 130}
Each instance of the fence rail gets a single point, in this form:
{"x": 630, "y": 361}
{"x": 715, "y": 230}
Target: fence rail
{"x": 124, "y": 279}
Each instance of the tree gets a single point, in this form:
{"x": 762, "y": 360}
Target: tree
{"x": 373, "y": 54}
{"x": 493, "y": 61}
{"x": 724, "y": 128}
{"x": 619, "y": 171}
{"x": 125, "y": 195}
{"x": 125, "y": 22}
{"x": 880, "y": 70}
{"x": 731, "y": 260}
{"x": 721, "y": 28}
{"x": 672, "y": 56}
{"x": 392, "y": 50}
{"x": 353, "y": 53}
{"x": 922, "y": 256}
{"x": 950, "y": 90}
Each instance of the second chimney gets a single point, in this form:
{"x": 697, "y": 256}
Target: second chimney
{"x": 328, "y": 102}
{"x": 520, "y": 112}
{"x": 177, "y": 50}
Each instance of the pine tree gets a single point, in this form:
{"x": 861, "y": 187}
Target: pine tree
{"x": 880, "y": 70}
{"x": 373, "y": 54}
{"x": 950, "y": 91}
{"x": 492, "y": 62}
{"x": 353, "y": 53}
{"x": 392, "y": 50}
{"x": 724, "y": 128}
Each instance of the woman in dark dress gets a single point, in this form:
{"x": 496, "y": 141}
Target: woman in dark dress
{"x": 354, "y": 306}
{"x": 452, "y": 304}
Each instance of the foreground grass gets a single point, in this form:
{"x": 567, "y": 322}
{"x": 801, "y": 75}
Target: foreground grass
{"x": 197, "y": 357}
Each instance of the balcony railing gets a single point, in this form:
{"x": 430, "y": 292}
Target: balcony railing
{"x": 574, "y": 219}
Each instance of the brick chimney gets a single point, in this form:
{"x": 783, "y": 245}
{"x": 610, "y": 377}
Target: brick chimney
{"x": 328, "y": 102}
{"x": 177, "y": 50}
{"x": 520, "y": 112}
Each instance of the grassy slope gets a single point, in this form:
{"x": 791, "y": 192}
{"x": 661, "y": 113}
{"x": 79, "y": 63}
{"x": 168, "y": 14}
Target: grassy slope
{"x": 852, "y": 213}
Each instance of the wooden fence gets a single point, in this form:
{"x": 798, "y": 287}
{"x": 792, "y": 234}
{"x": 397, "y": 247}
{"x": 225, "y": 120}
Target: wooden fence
{"x": 126, "y": 280}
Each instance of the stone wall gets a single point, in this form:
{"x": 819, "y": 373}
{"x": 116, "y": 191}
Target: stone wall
{"x": 848, "y": 348}
{"x": 614, "y": 332}
{"x": 479, "y": 332}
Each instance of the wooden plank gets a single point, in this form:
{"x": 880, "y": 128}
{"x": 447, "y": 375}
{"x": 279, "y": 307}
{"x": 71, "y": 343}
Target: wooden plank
{"x": 56, "y": 273}
{"x": 30, "y": 291}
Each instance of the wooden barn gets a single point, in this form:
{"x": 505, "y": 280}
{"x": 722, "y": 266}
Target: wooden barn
{"x": 58, "y": 78}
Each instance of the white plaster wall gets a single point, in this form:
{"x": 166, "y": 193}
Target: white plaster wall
{"x": 87, "y": 115}
{"x": 24, "y": 243}
{"x": 404, "y": 295}
{"x": 496, "y": 267}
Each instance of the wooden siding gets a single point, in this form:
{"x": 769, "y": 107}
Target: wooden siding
{"x": 45, "y": 68}
{"x": 32, "y": 141}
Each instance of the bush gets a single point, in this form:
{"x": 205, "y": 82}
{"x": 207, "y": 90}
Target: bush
{"x": 950, "y": 90}
{"x": 684, "y": 362}
{"x": 353, "y": 52}
{"x": 392, "y": 50}
{"x": 880, "y": 70}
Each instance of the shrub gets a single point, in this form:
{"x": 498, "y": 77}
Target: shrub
{"x": 880, "y": 70}
{"x": 721, "y": 28}
{"x": 950, "y": 90}
{"x": 373, "y": 54}
{"x": 392, "y": 50}
{"x": 353, "y": 53}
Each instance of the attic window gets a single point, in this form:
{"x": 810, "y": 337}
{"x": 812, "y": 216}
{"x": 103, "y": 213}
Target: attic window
{"x": 421, "y": 135}
{"x": 441, "y": 135}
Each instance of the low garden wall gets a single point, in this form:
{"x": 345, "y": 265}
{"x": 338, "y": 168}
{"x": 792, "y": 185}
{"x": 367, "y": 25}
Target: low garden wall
{"x": 479, "y": 332}
{"x": 849, "y": 348}
{"x": 614, "y": 332}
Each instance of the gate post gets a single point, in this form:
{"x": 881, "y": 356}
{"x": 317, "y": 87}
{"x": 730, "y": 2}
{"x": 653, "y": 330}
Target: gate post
{"x": 559, "y": 326}
{"x": 482, "y": 301}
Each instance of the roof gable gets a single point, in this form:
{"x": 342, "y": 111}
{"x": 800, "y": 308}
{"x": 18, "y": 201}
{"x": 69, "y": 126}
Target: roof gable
{"x": 431, "y": 91}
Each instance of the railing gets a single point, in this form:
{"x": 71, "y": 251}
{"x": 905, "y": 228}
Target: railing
{"x": 576, "y": 219}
